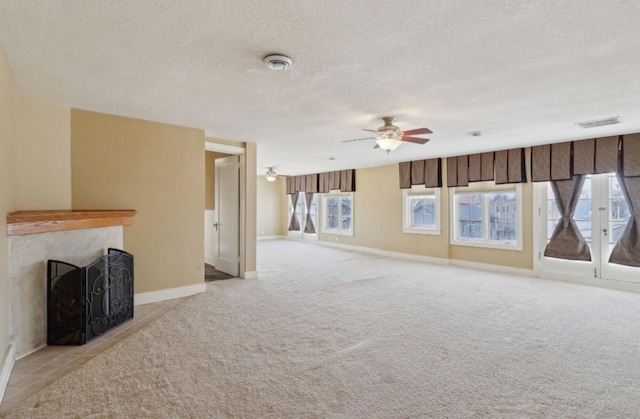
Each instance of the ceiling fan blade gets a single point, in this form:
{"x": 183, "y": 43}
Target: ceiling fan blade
{"x": 415, "y": 140}
{"x": 418, "y": 131}
{"x": 359, "y": 139}
{"x": 376, "y": 146}
{"x": 370, "y": 130}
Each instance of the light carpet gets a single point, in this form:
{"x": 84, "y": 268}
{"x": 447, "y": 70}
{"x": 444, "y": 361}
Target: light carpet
{"x": 333, "y": 333}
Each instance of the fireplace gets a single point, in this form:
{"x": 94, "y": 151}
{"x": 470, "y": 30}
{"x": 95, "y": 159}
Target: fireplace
{"x": 83, "y": 303}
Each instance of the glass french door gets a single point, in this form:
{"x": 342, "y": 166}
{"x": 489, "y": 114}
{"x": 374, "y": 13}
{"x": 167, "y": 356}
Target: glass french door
{"x": 301, "y": 213}
{"x": 601, "y": 216}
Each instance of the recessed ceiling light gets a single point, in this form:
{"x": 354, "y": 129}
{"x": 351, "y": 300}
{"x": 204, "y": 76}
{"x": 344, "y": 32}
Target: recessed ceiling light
{"x": 600, "y": 122}
{"x": 277, "y": 62}
{"x": 475, "y": 133}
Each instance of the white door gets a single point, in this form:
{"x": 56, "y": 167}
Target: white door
{"x": 601, "y": 215}
{"x": 227, "y": 218}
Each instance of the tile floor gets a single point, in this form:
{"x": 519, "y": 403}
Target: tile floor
{"x": 41, "y": 368}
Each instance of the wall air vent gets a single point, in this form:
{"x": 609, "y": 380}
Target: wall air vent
{"x": 600, "y": 122}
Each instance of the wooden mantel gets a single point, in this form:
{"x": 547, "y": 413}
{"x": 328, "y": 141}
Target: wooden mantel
{"x": 33, "y": 222}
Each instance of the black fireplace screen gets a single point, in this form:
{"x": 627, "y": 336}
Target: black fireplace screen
{"x": 83, "y": 303}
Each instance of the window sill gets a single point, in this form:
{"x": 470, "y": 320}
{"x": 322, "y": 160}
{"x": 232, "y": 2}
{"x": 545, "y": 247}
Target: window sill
{"x": 409, "y": 230}
{"x": 487, "y": 245}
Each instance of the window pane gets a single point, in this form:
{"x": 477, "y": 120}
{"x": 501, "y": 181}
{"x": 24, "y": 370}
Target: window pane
{"x": 422, "y": 210}
{"x": 502, "y": 216}
{"x": 346, "y": 213}
{"x": 332, "y": 212}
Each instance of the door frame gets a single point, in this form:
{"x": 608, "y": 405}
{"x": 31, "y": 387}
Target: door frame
{"x": 237, "y": 150}
{"x": 538, "y": 249}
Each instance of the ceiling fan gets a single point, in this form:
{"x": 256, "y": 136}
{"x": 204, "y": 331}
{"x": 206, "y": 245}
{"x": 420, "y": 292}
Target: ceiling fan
{"x": 389, "y": 137}
{"x": 271, "y": 175}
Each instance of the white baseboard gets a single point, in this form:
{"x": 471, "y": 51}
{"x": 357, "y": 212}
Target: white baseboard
{"x": 260, "y": 238}
{"x": 493, "y": 268}
{"x": 168, "y": 294}
{"x": 5, "y": 369}
{"x": 387, "y": 253}
{"x": 250, "y": 275}
{"x": 594, "y": 282}
{"x": 209, "y": 260}
{"x": 434, "y": 260}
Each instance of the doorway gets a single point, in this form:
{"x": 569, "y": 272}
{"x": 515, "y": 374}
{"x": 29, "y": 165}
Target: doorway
{"x": 223, "y": 220}
{"x": 601, "y": 216}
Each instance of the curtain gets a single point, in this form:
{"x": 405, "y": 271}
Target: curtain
{"x": 627, "y": 249}
{"x": 294, "y": 224}
{"x": 309, "y": 228}
{"x": 567, "y": 242}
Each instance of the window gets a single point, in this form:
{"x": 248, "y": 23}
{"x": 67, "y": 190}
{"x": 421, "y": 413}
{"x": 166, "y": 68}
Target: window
{"x": 488, "y": 217}
{"x": 421, "y": 210}
{"x": 338, "y": 213}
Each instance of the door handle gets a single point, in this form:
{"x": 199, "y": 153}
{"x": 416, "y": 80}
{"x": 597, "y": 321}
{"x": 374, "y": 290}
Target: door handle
{"x": 215, "y": 225}
{"x": 604, "y": 230}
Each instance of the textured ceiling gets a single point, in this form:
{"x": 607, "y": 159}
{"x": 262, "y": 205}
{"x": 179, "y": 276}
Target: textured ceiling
{"x": 522, "y": 71}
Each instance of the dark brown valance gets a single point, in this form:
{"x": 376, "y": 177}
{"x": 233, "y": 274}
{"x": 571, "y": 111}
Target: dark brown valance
{"x": 607, "y": 154}
{"x": 433, "y": 173}
{"x": 290, "y": 185}
{"x": 541, "y": 163}
{"x": 479, "y": 168}
{"x": 501, "y": 166}
{"x": 457, "y": 171}
{"x": 417, "y": 172}
{"x": 348, "y": 180}
{"x": 487, "y": 166}
{"x": 561, "y": 161}
{"x": 312, "y": 184}
{"x": 510, "y": 166}
{"x": 334, "y": 180}
{"x": 323, "y": 180}
{"x": 452, "y": 172}
{"x": 551, "y": 162}
{"x": 421, "y": 172}
{"x": 475, "y": 167}
{"x": 463, "y": 170}
{"x": 584, "y": 154}
{"x": 405, "y": 174}
{"x": 631, "y": 155}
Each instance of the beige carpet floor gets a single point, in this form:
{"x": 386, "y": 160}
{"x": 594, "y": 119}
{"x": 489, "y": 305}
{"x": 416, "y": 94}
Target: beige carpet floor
{"x": 332, "y": 333}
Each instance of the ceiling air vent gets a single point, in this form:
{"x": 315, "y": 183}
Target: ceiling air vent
{"x": 600, "y": 122}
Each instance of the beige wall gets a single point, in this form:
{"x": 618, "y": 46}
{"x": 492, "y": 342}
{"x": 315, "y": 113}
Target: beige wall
{"x": 378, "y": 223}
{"x": 42, "y": 154}
{"x": 35, "y": 171}
{"x": 271, "y": 207}
{"x": 209, "y": 178}
{"x": 156, "y": 169}
{"x": 7, "y": 192}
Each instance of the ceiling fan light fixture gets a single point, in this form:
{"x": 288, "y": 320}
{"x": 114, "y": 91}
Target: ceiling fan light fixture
{"x": 271, "y": 175}
{"x": 388, "y": 144}
{"x": 277, "y": 62}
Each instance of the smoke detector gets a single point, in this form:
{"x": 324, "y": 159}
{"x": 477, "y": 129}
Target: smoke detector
{"x": 277, "y": 62}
